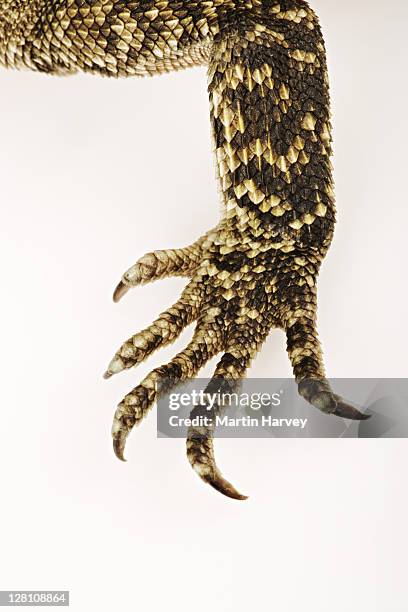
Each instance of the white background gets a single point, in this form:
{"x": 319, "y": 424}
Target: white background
{"x": 96, "y": 172}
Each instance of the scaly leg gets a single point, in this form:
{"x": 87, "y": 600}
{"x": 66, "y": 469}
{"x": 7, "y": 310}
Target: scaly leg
{"x": 270, "y": 120}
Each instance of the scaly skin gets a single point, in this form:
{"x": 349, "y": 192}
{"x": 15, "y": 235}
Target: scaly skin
{"x": 270, "y": 117}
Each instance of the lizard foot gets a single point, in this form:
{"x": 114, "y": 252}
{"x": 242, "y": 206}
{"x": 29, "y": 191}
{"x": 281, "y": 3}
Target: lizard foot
{"x": 235, "y": 297}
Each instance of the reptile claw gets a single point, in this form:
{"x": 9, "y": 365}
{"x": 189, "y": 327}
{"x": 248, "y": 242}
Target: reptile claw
{"x": 115, "y": 366}
{"x": 119, "y": 440}
{"x": 119, "y": 443}
{"x": 120, "y": 433}
{"x": 318, "y": 393}
{"x": 200, "y": 453}
{"x": 120, "y": 291}
{"x": 348, "y": 412}
{"x": 219, "y": 483}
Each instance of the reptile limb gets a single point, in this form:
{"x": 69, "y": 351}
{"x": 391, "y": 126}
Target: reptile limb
{"x": 270, "y": 121}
